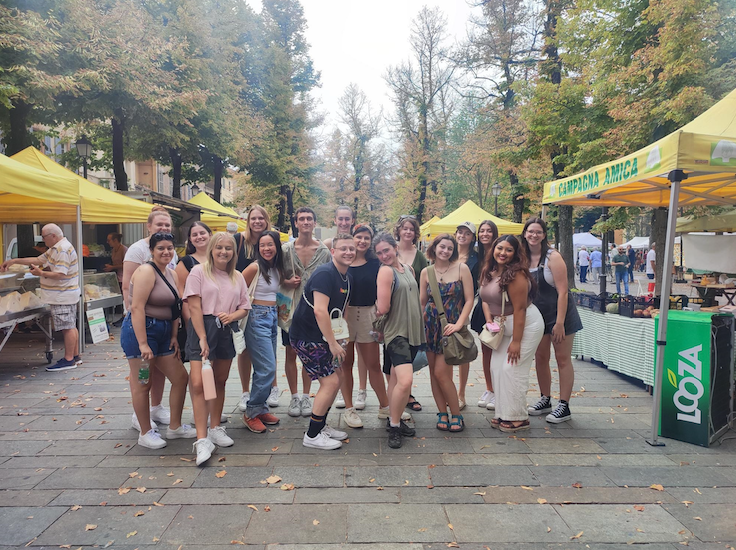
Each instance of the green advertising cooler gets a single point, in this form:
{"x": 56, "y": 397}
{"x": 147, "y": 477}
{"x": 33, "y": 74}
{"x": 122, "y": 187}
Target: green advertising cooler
{"x": 698, "y": 377}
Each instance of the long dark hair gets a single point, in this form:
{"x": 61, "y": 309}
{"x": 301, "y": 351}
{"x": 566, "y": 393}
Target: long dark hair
{"x": 481, "y": 247}
{"x": 278, "y": 259}
{"x": 544, "y": 243}
{"x": 362, "y": 228}
{"x": 518, "y": 264}
{"x": 190, "y": 247}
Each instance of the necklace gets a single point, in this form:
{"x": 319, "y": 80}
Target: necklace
{"x": 442, "y": 273}
{"x": 345, "y": 278}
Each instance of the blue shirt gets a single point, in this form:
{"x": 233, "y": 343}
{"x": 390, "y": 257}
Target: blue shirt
{"x": 595, "y": 258}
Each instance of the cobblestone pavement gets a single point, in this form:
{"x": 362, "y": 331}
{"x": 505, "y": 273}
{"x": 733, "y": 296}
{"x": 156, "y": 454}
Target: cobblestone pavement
{"x": 72, "y": 476}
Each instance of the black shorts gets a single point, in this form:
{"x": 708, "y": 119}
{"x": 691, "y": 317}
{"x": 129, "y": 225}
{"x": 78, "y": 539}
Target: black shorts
{"x": 219, "y": 340}
{"x": 398, "y": 352}
{"x": 285, "y": 338}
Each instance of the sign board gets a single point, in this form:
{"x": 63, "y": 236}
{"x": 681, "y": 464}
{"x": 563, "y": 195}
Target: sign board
{"x": 97, "y": 325}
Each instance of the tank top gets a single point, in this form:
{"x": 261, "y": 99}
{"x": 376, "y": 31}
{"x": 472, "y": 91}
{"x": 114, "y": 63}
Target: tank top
{"x": 491, "y": 294}
{"x": 267, "y": 291}
{"x": 544, "y": 266}
{"x": 158, "y": 305}
{"x": 405, "y": 315}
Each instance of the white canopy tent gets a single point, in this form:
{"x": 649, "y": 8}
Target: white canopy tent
{"x": 638, "y": 243}
{"x": 585, "y": 239}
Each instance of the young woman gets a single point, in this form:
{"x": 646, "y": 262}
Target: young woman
{"x": 505, "y": 274}
{"x": 197, "y": 241}
{"x": 159, "y": 221}
{"x": 487, "y": 234}
{"x": 456, "y": 292}
{"x": 149, "y": 334}
{"x": 360, "y": 316}
{"x": 406, "y": 232}
{"x": 246, "y": 244}
{"x": 398, "y": 298}
{"x": 344, "y": 222}
{"x": 262, "y": 328}
{"x": 561, "y": 320}
{"x": 217, "y": 297}
{"x": 465, "y": 238}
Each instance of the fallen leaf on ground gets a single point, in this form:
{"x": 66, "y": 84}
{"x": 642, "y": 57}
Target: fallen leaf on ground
{"x": 252, "y": 507}
{"x": 123, "y": 490}
{"x": 141, "y": 489}
{"x": 482, "y": 494}
{"x": 577, "y": 485}
{"x": 90, "y": 527}
{"x": 274, "y": 449}
{"x": 157, "y": 503}
{"x": 542, "y": 500}
{"x": 273, "y": 479}
{"x": 222, "y": 459}
{"x": 450, "y": 526}
{"x": 549, "y": 529}
{"x": 131, "y": 534}
{"x": 186, "y": 459}
{"x": 379, "y": 488}
{"x": 315, "y": 522}
{"x": 132, "y": 474}
{"x": 580, "y": 534}
{"x": 639, "y": 508}
{"x": 527, "y": 488}
{"x": 139, "y": 513}
{"x": 221, "y": 473}
{"x": 266, "y": 508}
{"x": 696, "y": 490}
{"x": 430, "y": 486}
{"x": 656, "y": 487}
{"x": 371, "y": 480}
{"x": 698, "y": 518}
{"x": 237, "y": 542}
{"x": 177, "y": 481}
{"x": 421, "y": 530}
{"x": 287, "y": 487}
{"x": 687, "y": 502}
{"x": 75, "y": 507}
{"x": 453, "y": 545}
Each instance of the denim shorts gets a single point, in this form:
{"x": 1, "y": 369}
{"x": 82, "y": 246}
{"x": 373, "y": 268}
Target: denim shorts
{"x": 158, "y": 335}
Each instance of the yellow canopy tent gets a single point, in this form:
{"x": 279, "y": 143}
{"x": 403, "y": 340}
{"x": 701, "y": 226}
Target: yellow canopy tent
{"x": 98, "y": 205}
{"x": 696, "y": 165}
{"x": 471, "y": 212}
{"x": 725, "y": 221}
{"x": 424, "y": 228}
{"x": 215, "y": 215}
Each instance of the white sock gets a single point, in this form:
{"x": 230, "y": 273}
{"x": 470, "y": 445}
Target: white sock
{"x": 293, "y": 395}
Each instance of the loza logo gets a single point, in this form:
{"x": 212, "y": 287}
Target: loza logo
{"x": 690, "y": 369}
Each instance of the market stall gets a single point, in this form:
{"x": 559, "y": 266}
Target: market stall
{"x": 215, "y": 215}
{"x": 470, "y": 212}
{"x": 692, "y": 167}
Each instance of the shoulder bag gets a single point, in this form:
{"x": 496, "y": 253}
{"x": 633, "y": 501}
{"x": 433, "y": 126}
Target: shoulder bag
{"x": 176, "y": 306}
{"x": 492, "y": 339}
{"x": 285, "y": 300}
{"x": 459, "y": 347}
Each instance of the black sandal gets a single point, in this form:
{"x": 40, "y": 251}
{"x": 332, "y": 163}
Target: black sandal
{"x": 413, "y": 404}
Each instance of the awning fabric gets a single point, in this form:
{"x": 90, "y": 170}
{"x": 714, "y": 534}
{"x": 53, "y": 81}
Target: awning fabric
{"x": 216, "y": 216}
{"x": 720, "y": 222}
{"x": 471, "y": 212}
{"x": 28, "y": 195}
{"x": 99, "y": 205}
{"x": 425, "y": 227}
{"x": 704, "y": 148}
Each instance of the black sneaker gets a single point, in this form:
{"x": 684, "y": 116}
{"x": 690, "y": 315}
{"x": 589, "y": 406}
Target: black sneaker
{"x": 406, "y": 430}
{"x": 394, "y": 437}
{"x": 560, "y": 414}
{"x": 544, "y": 405}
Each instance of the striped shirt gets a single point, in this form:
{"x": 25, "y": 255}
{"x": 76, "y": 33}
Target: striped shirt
{"x": 61, "y": 258}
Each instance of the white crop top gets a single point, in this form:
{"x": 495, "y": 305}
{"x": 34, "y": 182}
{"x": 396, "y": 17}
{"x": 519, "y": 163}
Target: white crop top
{"x": 548, "y": 277}
{"x": 265, "y": 291}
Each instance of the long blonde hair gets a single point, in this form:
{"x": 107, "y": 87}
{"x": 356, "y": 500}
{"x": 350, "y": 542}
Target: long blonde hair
{"x": 250, "y": 248}
{"x": 209, "y": 262}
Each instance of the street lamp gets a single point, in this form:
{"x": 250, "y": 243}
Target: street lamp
{"x": 84, "y": 150}
{"x": 195, "y": 190}
{"x": 496, "y": 190}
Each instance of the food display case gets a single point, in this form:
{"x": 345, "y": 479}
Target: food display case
{"x": 102, "y": 290}
{"x": 18, "y": 305}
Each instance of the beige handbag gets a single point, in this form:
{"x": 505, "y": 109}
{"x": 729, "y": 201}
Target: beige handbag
{"x": 493, "y": 339}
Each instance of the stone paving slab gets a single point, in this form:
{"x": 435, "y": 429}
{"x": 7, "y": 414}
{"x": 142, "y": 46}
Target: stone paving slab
{"x": 22, "y": 524}
{"x": 565, "y": 476}
{"x": 85, "y": 478}
{"x": 572, "y": 495}
{"x": 228, "y": 496}
{"x": 398, "y": 523}
{"x": 112, "y": 497}
{"x": 481, "y": 476}
{"x": 210, "y": 524}
{"x": 236, "y": 477}
{"x": 397, "y": 476}
{"x": 492, "y": 523}
{"x": 36, "y": 497}
{"x": 331, "y": 524}
{"x": 162, "y": 477}
{"x": 689, "y": 476}
{"x": 349, "y": 495}
{"x": 22, "y": 478}
{"x": 706, "y": 521}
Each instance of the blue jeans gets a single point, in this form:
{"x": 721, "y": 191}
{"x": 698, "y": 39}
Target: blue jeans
{"x": 583, "y": 273}
{"x": 625, "y": 278}
{"x": 260, "y": 340}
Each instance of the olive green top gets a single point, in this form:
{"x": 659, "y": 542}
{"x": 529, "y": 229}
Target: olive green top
{"x": 405, "y": 315}
{"x": 419, "y": 263}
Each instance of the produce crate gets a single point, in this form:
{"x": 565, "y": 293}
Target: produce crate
{"x": 597, "y": 302}
{"x": 677, "y": 301}
{"x": 628, "y": 304}
{"x": 582, "y": 299}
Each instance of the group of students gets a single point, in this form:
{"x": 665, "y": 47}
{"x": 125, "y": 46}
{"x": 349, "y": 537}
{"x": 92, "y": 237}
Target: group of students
{"x": 338, "y": 289}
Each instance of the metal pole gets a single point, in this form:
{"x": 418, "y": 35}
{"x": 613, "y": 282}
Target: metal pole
{"x": 495, "y": 208}
{"x": 80, "y": 265}
{"x": 604, "y": 256}
{"x": 675, "y": 177}
{"x": 84, "y": 165}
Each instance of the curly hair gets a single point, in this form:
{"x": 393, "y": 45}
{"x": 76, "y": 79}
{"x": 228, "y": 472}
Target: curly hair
{"x": 518, "y": 264}
{"x": 414, "y": 223}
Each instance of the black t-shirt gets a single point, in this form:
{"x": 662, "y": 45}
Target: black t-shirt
{"x": 326, "y": 280}
{"x": 189, "y": 262}
{"x": 244, "y": 260}
{"x": 364, "y": 277}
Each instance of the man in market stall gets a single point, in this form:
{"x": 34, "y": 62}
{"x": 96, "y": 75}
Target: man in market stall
{"x": 58, "y": 269}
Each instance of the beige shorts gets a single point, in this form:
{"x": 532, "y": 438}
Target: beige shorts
{"x": 360, "y": 323}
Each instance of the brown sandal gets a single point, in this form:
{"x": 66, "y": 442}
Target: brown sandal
{"x": 507, "y": 426}
{"x": 495, "y": 422}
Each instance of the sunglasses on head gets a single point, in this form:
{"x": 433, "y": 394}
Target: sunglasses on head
{"x": 157, "y": 237}
{"x": 407, "y": 217}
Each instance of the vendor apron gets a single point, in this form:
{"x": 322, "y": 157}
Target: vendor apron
{"x": 546, "y": 302}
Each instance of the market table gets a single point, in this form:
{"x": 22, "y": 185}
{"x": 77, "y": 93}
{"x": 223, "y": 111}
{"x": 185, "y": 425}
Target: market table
{"x": 709, "y": 293}
{"x": 622, "y": 344}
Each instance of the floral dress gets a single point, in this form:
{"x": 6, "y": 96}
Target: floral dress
{"x": 453, "y": 300}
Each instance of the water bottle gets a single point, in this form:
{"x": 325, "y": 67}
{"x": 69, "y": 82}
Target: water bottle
{"x": 335, "y": 361}
{"x": 208, "y": 380}
{"x": 144, "y": 373}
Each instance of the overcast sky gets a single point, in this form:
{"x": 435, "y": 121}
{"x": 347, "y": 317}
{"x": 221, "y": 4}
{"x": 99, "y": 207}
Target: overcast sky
{"x": 357, "y": 40}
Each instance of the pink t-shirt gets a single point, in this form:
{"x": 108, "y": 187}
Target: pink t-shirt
{"x": 220, "y": 295}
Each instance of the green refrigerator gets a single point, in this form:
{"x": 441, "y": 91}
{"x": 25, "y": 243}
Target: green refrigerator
{"x": 698, "y": 377}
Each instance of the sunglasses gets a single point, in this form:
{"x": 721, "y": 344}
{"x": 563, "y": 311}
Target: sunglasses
{"x": 407, "y": 217}
{"x": 158, "y": 237}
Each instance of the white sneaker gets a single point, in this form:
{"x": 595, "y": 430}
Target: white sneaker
{"x": 360, "y": 400}
{"x": 204, "y": 449}
{"x": 483, "y": 401}
{"x": 332, "y": 433}
{"x": 243, "y": 405}
{"x": 491, "y": 405}
{"x": 384, "y": 412}
{"x": 306, "y": 406}
{"x": 137, "y": 425}
{"x": 295, "y": 407}
{"x": 339, "y": 400}
{"x": 219, "y": 437}
{"x": 185, "y": 431}
{"x": 405, "y": 416}
{"x": 151, "y": 440}
{"x": 321, "y": 441}
{"x": 160, "y": 414}
{"x": 273, "y": 397}
{"x": 352, "y": 419}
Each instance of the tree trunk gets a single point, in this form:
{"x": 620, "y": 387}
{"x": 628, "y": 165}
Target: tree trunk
{"x": 175, "y": 173}
{"x": 217, "y": 161}
{"x": 281, "y": 209}
{"x": 422, "y": 198}
{"x": 517, "y": 197}
{"x": 118, "y": 155}
{"x": 290, "y": 210}
{"x": 659, "y": 236}
{"x": 564, "y": 220}
{"x": 19, "y": 137}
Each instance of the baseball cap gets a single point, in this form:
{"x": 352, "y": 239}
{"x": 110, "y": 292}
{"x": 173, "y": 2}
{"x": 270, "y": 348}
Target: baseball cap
{"x": 468, "y": 225}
